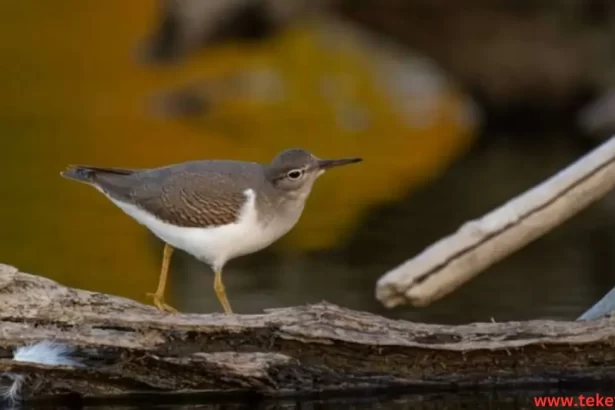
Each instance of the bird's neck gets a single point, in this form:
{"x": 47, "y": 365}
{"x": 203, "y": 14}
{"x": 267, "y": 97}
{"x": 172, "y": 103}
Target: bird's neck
{"x": 284, "y": 207}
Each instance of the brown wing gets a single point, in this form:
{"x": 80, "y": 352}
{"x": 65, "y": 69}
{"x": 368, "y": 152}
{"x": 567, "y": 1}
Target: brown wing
{"x": 191, "y": 199}
{"x": 196, "y": 194}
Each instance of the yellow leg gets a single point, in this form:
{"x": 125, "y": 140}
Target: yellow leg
{"x": 158, "y": 296}
{"x": 221, "y": 292}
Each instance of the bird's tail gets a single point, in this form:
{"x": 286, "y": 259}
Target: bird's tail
{"x": 89, "y": 174}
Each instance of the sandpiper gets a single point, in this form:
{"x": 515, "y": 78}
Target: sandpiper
{"x": 215, "y": 210}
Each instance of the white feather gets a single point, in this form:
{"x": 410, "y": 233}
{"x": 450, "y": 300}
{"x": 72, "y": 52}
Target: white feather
{"x": 217, "y": 245}
{"x": 12, "y": 394}
{"x": 45, "y": 352}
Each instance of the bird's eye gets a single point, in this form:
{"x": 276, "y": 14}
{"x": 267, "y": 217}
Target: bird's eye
{"x": 295, "y": 174}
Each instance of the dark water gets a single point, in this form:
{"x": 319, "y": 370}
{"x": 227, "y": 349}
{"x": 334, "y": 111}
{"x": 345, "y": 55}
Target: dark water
{"x": 73, "y": 93}
{"x": 501, "y": 400}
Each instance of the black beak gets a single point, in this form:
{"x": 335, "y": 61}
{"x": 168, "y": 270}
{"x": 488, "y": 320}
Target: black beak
{"x": 324, "y": 164}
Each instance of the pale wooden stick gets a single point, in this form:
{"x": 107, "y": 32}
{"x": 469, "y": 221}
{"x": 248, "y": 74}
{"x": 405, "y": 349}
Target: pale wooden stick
{"x": 603, "y": 307}
{"x": 478, "y": 244}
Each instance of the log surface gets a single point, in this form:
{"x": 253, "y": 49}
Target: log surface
{"x": 128, "y": 347}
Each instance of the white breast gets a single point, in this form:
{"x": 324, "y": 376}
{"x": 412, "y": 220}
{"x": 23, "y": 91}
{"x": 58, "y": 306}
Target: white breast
{"x": 217, "y": 245}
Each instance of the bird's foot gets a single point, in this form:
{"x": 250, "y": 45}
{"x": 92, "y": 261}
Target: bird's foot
{"x": 161, "y": 304}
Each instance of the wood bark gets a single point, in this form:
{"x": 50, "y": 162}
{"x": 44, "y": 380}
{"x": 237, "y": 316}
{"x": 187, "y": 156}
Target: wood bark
{"x": 129, "y": 348}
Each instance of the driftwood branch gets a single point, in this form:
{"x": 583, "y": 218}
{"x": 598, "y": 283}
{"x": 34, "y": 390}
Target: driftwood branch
{"x": 604, "y": 307}
{"x": 454, "y": 260}
{"x": 128, "y": 348}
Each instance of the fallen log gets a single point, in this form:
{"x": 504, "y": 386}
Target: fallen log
{"x": 124, "y": 347}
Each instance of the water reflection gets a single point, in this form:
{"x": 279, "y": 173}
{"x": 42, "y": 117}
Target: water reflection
{"x": 501, "y": 400}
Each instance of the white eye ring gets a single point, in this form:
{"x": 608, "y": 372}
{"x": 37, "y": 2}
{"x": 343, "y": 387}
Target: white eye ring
{"x": 295, "y": 174}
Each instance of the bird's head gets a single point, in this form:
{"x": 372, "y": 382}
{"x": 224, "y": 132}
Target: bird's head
{"x": 296, "y": 169}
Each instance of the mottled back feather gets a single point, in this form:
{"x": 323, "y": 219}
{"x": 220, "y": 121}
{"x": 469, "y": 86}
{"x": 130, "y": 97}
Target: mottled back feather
{"x": 192, "y": 194}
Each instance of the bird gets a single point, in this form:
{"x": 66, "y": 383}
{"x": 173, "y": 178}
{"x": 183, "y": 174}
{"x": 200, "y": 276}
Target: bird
{"x": 214, "y": 210}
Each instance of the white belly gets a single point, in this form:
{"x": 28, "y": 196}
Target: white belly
{"x": 217, "y": 245}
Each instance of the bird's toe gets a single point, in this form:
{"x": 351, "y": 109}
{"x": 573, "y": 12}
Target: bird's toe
{"x": 161, "y": 304}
